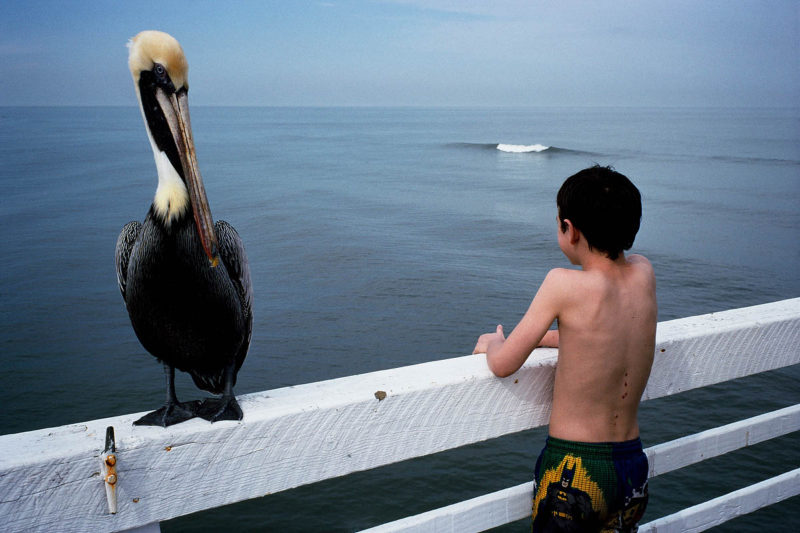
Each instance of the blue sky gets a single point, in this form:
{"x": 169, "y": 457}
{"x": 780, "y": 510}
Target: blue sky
{"x": 415, "y": 52}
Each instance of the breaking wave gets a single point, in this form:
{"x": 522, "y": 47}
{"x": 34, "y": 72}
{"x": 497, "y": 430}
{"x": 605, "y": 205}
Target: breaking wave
{"x": 518, "y": 148}
{"x": 522, "y": 148}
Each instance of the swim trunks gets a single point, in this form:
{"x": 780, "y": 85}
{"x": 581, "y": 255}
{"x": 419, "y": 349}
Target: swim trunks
{"x": 583, "y": 487}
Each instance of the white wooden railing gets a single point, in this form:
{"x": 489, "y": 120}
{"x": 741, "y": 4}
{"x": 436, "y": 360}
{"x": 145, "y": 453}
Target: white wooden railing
{"x": 50, "y": 479}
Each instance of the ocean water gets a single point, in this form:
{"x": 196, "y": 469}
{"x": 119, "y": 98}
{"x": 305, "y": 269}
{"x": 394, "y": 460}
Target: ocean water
{"x": 382, "y": 237}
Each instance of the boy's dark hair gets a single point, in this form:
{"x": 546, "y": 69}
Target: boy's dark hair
{"x": 604, "y": 205}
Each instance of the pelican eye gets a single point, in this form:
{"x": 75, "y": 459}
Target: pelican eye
{"x": 160, "y": 72}
{"x": 160, "y": 77}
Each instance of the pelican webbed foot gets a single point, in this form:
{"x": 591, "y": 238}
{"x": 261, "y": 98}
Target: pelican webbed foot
{"x": 172, "y": 413}
{"x": 215, "y": 409}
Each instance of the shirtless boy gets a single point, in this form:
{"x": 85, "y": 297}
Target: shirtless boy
{"x": 592, "y": 473}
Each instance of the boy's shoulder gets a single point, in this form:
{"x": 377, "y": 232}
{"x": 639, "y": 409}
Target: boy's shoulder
{"x": 560, "y": 275}
{"x": 643, "y": 266}
{"x": 560, "y": 283}
{"x": 636, "y": 259}
{"x": 568, "y": 280}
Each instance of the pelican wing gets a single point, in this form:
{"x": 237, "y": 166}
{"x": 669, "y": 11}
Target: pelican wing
{"x": 231, "y": 251}
{"x": 125, "y": 243}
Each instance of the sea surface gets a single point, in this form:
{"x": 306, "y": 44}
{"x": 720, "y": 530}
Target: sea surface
{"x": 383, "y": 237}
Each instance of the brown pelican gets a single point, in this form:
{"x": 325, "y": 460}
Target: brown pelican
{"x": 185, "y": 280}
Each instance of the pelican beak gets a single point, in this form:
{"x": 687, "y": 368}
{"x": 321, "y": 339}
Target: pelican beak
{"x": 175, "y": 107}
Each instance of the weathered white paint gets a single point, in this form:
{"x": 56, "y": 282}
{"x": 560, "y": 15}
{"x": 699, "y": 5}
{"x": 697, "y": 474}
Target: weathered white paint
{"x": 50, "y": 479}
{"x": 702, "y": 350}
{"x": 692, "y": 449}
{"x": 727, "y": 507}
{"x": 148, "y": 528}
{"x": 514, "y": 503}
{"x": 478, "y": 514}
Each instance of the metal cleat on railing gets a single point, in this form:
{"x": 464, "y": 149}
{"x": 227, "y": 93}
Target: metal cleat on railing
{"x": 109, "y": 460}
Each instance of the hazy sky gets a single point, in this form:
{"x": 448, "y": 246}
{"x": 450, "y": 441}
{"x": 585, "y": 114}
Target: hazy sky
{"x": 415, "y": 52}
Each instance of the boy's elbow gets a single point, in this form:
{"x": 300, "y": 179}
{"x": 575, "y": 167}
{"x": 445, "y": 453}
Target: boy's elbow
{"x": 499, "y": 370}
{"x": 503, "y": 373}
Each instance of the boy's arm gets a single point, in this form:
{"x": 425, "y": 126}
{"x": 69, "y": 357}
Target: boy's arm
{"x": 550, "y": 339}
{"x": 506, "y": 356}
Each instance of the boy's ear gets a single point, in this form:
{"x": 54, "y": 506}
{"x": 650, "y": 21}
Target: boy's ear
{"x": 573, "y": 233}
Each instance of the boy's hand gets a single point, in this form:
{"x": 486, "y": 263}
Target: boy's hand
{"x": 487, "y": 338}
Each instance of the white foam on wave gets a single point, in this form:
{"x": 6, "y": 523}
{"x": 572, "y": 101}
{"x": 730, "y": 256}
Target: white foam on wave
{"x": 522, "y": 148}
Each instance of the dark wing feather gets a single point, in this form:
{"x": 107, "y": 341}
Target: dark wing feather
{"x": 122, "y": 255}
{"x": 232, "y": 254}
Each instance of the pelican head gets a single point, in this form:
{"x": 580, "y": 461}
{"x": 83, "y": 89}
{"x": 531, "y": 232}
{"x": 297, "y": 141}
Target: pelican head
{"x": 159, "y": 71}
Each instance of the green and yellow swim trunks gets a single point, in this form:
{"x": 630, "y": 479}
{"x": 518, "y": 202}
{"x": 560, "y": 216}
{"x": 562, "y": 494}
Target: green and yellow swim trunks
{"x": 581, "y": 486}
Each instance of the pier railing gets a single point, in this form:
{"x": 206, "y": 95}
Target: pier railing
{"x": 52, "y": 480}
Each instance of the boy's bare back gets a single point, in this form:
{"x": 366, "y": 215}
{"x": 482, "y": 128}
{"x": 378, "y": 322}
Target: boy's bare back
{"x": 607, "y": 317}
{"x": 606, "y": 323}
